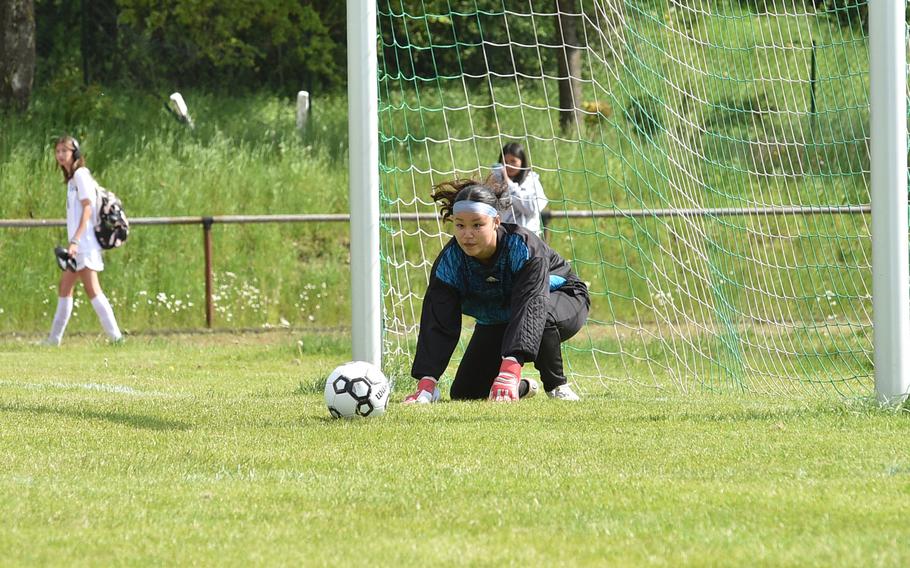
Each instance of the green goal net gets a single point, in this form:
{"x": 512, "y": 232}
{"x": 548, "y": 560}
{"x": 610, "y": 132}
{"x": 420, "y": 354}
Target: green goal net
{"x": 706, "y": 164}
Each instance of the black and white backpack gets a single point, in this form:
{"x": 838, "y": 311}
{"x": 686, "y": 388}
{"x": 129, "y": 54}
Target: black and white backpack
{"x": 111, "y": 225}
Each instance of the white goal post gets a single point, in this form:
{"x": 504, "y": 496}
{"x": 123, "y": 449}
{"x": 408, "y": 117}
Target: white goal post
{"x": 890, "y": 281}
{"x": 363, "y": 156}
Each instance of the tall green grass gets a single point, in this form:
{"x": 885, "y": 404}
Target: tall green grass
{"x": 245, "y": 156}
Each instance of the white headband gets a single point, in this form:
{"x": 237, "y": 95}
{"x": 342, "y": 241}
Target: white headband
{"x": 473, "y": 207}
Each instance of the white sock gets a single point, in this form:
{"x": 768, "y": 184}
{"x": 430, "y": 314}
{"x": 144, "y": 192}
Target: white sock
{"x": 61, "y": 318}
{"x": 106, "y": 315}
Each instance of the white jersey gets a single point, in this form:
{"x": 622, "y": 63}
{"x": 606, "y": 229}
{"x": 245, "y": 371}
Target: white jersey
{"x": 528, "y": 200}
{"x": 80, "y": 187}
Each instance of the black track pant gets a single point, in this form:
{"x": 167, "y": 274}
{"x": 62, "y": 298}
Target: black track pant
{"x": 566, "y": 313}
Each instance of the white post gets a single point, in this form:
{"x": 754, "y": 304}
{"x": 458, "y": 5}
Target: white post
{"x": 303, "y": 108}
{"x": 890, "y": 271}
{"x": 179, "y": 108}
{"x": 363, "y": 155}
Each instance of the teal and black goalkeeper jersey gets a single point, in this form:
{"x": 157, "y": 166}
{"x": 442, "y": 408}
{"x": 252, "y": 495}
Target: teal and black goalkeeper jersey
{"x": 512, "y": 289}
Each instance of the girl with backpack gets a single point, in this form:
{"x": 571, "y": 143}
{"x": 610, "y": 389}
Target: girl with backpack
{"x": 83, "y": 252}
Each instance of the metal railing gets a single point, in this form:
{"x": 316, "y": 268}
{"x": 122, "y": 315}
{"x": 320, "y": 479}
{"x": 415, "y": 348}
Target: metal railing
{"x": 207, "y": 222}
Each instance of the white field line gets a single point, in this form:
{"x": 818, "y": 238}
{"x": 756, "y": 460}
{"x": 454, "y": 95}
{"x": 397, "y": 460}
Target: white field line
{"x": 119, "y": 389}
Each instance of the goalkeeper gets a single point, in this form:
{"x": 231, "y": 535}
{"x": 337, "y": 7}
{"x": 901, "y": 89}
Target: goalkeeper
{"x": 525, "y": 298}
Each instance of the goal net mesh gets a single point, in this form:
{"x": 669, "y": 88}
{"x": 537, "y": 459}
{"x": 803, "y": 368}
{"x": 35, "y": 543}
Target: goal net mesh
{"x": 706, "y": 164}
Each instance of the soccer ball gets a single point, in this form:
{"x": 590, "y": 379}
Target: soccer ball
{"x": 356, "y": 389}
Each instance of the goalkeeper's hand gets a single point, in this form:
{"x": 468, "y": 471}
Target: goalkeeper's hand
{"x": 505, "y": 385}
{"x": 426, "y": 392}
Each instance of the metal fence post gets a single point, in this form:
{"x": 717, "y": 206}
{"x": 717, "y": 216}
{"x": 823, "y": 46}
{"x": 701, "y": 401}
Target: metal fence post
{"x": 207, "y": 240}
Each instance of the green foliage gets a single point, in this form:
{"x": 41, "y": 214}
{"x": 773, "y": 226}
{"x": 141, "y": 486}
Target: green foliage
{"x": 65, "y": 100}
{"x": 846, "y": 13}
{"x": 449, "y": 39}
{"x": 234, "y": 44}
{"x": 644, "y": 114}
{"x": 229, "y": 42}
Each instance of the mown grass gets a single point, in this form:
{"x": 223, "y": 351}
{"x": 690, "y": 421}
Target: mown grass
{"x": 212, "y": 449}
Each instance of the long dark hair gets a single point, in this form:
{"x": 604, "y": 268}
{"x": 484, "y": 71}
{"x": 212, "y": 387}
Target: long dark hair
{"x": 79, "y": 162}
{"x": 448, "y": 193}
{"x": 517, "y": 150}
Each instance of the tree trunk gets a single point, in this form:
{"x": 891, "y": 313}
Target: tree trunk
{"x": 569, "y": 63}
{"x": 17, "y": 52}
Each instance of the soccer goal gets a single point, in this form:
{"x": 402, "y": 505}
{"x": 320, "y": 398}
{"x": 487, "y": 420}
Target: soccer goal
{"x": 715, "y": 173}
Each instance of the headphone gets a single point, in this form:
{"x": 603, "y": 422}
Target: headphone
{"x": 76, "y": 152}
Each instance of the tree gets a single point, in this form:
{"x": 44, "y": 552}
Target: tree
{"x": 17, "y": 52}
{"x": 569, "y": 59}
{"x": 98, "y": 40}
{"x": 230, "y": 43}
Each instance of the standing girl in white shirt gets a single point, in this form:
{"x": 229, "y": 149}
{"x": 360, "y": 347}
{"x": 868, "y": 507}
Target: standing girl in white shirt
{"x": 523, "y": 185}
{"x": 81, "y": 195}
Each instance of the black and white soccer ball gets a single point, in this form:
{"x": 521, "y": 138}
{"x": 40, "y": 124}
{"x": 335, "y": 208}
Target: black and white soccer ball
{"x": 357, "y": 388}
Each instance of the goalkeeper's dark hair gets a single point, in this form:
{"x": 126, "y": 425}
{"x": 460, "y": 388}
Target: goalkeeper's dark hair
{"x": 448, "y": 193}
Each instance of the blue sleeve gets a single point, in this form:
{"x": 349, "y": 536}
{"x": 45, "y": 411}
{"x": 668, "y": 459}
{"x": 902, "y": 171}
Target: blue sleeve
{"x": 448, "y": 267}
{"x": 519, "y": 253}
{"x": 440, "y": 328}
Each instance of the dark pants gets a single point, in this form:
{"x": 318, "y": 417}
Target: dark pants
{"x": 566, "y": 314}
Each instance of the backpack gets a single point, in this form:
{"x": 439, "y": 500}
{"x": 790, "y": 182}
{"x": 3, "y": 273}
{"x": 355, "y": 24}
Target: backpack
{"x": 111, "y": 226}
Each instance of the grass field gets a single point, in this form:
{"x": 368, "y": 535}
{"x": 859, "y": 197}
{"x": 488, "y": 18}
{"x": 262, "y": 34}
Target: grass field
{"x": 217, "y": 449}
{"x": 727, "y": 366}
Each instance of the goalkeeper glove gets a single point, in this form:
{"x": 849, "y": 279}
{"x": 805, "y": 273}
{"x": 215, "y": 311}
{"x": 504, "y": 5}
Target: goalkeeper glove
{"x": 427, "y": 392}
{"x": 505, "y": 385}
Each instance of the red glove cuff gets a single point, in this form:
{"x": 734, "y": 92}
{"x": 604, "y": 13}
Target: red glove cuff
{"x": 510, "y": 368}
{"x": 426, "y": 384}
{"x": 505, "y": 385}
